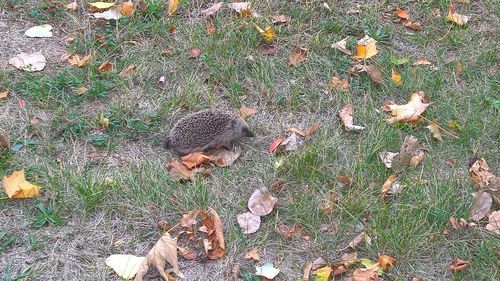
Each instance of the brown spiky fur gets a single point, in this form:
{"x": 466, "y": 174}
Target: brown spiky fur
{"x": 204, "y": 129}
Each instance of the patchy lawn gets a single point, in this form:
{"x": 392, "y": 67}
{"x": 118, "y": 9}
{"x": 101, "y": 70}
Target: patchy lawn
{"x": 111, "y": 203}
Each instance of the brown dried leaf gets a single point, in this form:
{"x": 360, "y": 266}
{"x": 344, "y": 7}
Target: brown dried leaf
{"x": 339, "y": 84}
{"x": 341, "y": 46}
{"x": 292, "y": 142}
{"x": 493, "y": 225}
{"x": 186, "y": 253}
{"x": 253, "y": 254}
{"x": 375, "y": 74}
{"x": 409, "y": 154}
{"x": 78, "y": 61}
{"x": 212, "y": 10}
{"x": 307, "y": 271}
{"x": 480, "y": 173}
{"x": 454, "y": 223}
{"x": 127, "y": 71}
{"x": 249, "y": 222}
{"x": 386, "y": 262}
{"x": 274, "y": 145}
{"x": 402, "y": 14}
{"x": 288, "y": 232}
{"x": 223, "y": 157}
{"x": 421, "y": 61}
{"x": 179, "y": 172}
{"x": 105, "y": 67}
{"x": 355, "y": 242}
{"x": 279, "y": 19}
{"x": 459, "y": 265}
{"x": 214, "y": 243}
{"x": 318, "y": 263}
{"x": 165, "y": 250}
{"x": 195, "y": 159}
{"x": 4, "y": 141}
{"x": 481, "y": 205}
{"x": 346, "y": 115}
{"x": 247, "y": 111}
{"x": 297, "y": 56}
{"x": 387, "y": 186}
{"x": 365, "y": 275}
{"x": 261, "y": 202}
{"x": 71, "y": 6}
{"x": 417, "y": 26}
{"x": 189, "y": 219}
{"x": 268, "y": 50}
{"x": 4, "y": 95}
{"x": 126, "y": 8}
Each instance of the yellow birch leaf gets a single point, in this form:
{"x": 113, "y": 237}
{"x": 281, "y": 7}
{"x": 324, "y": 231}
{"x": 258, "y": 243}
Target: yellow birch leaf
{"x": 172, "y": 6}
{"x": 436, "y": 132}
{"x": 101, "y": 5}
{"x": 396, "y": 77}
{"x": 16, "y": 186}
{"x": 366, "y": 48}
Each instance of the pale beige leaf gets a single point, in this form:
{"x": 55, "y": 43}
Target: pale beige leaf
{"x": 212, "y": 10}
{"x": 409, "y": 112}
{"x": 172, "y": 6}
{"x": 493, "y": 225}
{"x": 112, "y": 14}
{"x": 102, "y": 5}
{"x": 223, "y": 157}
{"x": 346, "y": 115}
{"x": 253, "y": 254}
{"x": 387, "y": 157}
{"x": 249, "y": 222}
{"x": 29, "y": 62}
{"x": 481, "y": 205}
{"x": 261, "y": 202}
{"x": 126, "y": 266}
{"x": 72, "y": 6}
{"x": 342, "y": 46}
{"x": 39, "y": 31}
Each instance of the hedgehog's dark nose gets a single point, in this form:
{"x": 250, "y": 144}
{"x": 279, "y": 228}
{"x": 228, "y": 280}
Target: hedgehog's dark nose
{"x": 248, "y": 133}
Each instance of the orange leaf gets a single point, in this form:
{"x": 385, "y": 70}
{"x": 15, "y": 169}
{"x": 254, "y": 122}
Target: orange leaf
{"x": 214, "y": 243}
{"x": 386, "y": 262}
{"x": 105, "y": 67}
{"x": 16, "y": 186}
{"x": 459, "y": 265}
{"x": 396, "y": 77}
{"x": 386, "y": 187}
{"x": 274, "y": 145}
{"x": 195, "y": 159}
{"x": 4, "y": 95}
{"x": 366, "y": 48}
{"x": 402, "y": 14}
{"x": 339, "y": 84}
{"x": 179, "y": 172}
{"x": 253, "y": 254}
{"x": 126, "y": 8}
{"x": 76, "y": 60}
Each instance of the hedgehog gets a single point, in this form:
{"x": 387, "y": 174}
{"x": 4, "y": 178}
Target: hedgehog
{"x": 206, "y": 129}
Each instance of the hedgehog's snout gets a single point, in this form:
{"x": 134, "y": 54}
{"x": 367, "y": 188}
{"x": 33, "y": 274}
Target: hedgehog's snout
{"x": 247, "y": 133}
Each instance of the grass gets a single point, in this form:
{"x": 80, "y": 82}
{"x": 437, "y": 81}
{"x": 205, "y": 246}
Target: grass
{"x": 121, "y": 197}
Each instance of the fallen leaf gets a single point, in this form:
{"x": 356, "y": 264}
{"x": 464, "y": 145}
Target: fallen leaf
{"x": 480, "y": 173}
{"x": 267, "y": 270}
{"x": 454, "y": 223}
{"x": 249, "y": 222}
{"x": 459, "y": 265}
{"x": 142, "y": 5}
{"x": 396, "y": 77}
{"x": 339, "y": 84}
{"x": 267, "y": 33}
{"x": 212, "y": 10}
{"x": 387, "y": 157}
{"x": 253, "y": 254}
{"x": 172, "y": 6}
{"x": 179, "y": 172}
{"x": 268, "y": 50}
{"x": 413, "y": 25}
{"x": 4, "y": 141}
{"x": 126, "y": 8}
{"x": 247, "y": 111}
{"x": 409, "y": 154}
{"x": 126, "y": 266}
{"x": 386, "y": 187}
{"x": 195, "y": 159}
{"x": 78, "y": 61}
{"x": 493, "y": 225}
{"x": 72, "y": 6}
{"x": 366, "y": 48}
{"x": 339, "y": 269}
{"x": 186, "y": 253}
{"x": 189, "y": 219}
{"x": 101, "y": 5}
{"x": 355, "y": 242}
{"x": 288, "y": 232}
{"x": 39, "y": 31}
{"x": 214, "y": 243}
{"x": 127, "y": 71}
{"x": 346, "y": 116}
{"x": 481, "y": 205}
{"x": 261, "y": 202}
{"x": 292, "y": 142}
{"x": 435, "y": 130}
{"x": 375, "y": 74}
{"x": 165, "y": 250}
{"x": 279, "y": 19}
{"x": 342, "y": 46}
{"x": 386, "y": 262}
{"x": 243, "y": 8}
{"x": 307, "y": 271}
{"x": 223, "y": 157}
{"x": 323, "y": 274}
{"x": 81, "y": 90}
{"x": 309, "y": 131}
{"x": 195, "y": 52}
{"x": 421, "y": 61}
{"x": 275, "y": 144}
{"x": 16, "y": 186}
{"x": 458, "y": 69}
{"x": 112, "y": 14}
{"x": 297, "y": 56}
{"x": 103, "y": 121}
{"x": 4, "y": 95}
{"x": 29, "y": 62}
{"x": 318, "y": 263}
{"x": 402, "y": 14}
{"x": 409, "y": 112}
{"x": 105, "y": 67}
{"x": 456, "y": 18}
{"x": 365, "y": 275}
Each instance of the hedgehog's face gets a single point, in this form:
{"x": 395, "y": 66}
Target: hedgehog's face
{"x": 241, "y": 128}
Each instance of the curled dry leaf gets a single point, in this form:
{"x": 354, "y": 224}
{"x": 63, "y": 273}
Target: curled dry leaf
{"x": 39, "y": 31}
{"x": 189, "y": 219}
{"x": 172, "y": 6}
{"x": 253, "y": 254}
{"x": 346, "y": 115}
{"x": 279, "y": 19}
{"x": 267, "y": 270}
{"x": 164, "y": 251}
{"x": 342, "y": 46}
{"x": 409, "y": 154}
{"x": 480, "y": 173}
{"x": 249, "y": 222}
{"x": 323, "y": 274}
{"x": 78, "y": 61}
{"x": 127, "y": 71}
{"x": 409, "y": 112}
{"x": 387, "y": 157}
{"x": 195, "y": 159}
{"x": 402, "y": 14}
{"x": 17, "y": 187}
{"x": 366, "y": 48}
{"x": 386, "y": 262}
{"x": 297, "y": 56}
{"x": 126, "y": 266}
{"x": 481, "y": 205}
{"x": 71, "y": 6}
{"x": 387, "y": 186}
{"x": 273, "y": 147}
{"x": 214, "y": 243}
{"x": 339, "y": 84}
{"x": 307, "y": 271}
{"x": 493, "y": 225}
{"x": 247, "y": 111}
{"x": 29, "y": 62}
{"x": 318, "y": 263}
{"x": 212, "y": 10}
{"x": 435, "y": 130}
{"x": 355, "y": 242}
{"x": 261, "y": 202}
{"x": 456, "y": 18}
{"x": 375, "y": 74}
{"x": 112, "y": 14}
{"x": 309, "y": 131}
{"x": 459, "y": 265}
{"x": 417, "y": 26}
{"x": 4, "y": 141}
{"x": 396, "y": 78}
{"x": 288, "y": 232}
{"x": 365, "y": 275}
{"x": 179, "y": 172}
{"x": 223, "y": 157}
{"x": 126, "y": 8}
{"x": 186, "y": 253}
{"x": 105, "y": 67}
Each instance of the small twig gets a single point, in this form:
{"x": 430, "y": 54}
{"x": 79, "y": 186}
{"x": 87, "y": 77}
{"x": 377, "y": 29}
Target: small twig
{"x": 444, "y": 130}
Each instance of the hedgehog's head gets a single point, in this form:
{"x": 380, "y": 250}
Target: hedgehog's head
{"x": 240, "y": 128}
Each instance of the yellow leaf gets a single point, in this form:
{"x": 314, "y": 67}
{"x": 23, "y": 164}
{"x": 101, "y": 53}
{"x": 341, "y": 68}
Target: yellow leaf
{"x": 367, "y": 48}
{"x": 454, "y": 125}
{"x": 386, "y": 187}
{"x": 396, "y": 77}
{"x": 101, "y": 5}
{"x": 126, "y": 266}
{"x": 172, "y": 6}
{"x": 409, "y": 112}
{"x": 268, "y": 34}
{"x": 456, "y": 18}
{"x": 76, "y": 60}
{"x": 103, "y": 121}
{"x": 323, "y": 274}
{"x": 16, "y": 186}
{"x": 436, "y": 132}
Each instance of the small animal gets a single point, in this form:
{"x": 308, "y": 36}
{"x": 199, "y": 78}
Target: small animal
{"x": 205, "y": 129}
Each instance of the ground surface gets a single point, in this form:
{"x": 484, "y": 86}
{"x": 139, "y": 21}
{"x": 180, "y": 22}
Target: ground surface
{"x": 59, "y": 129}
